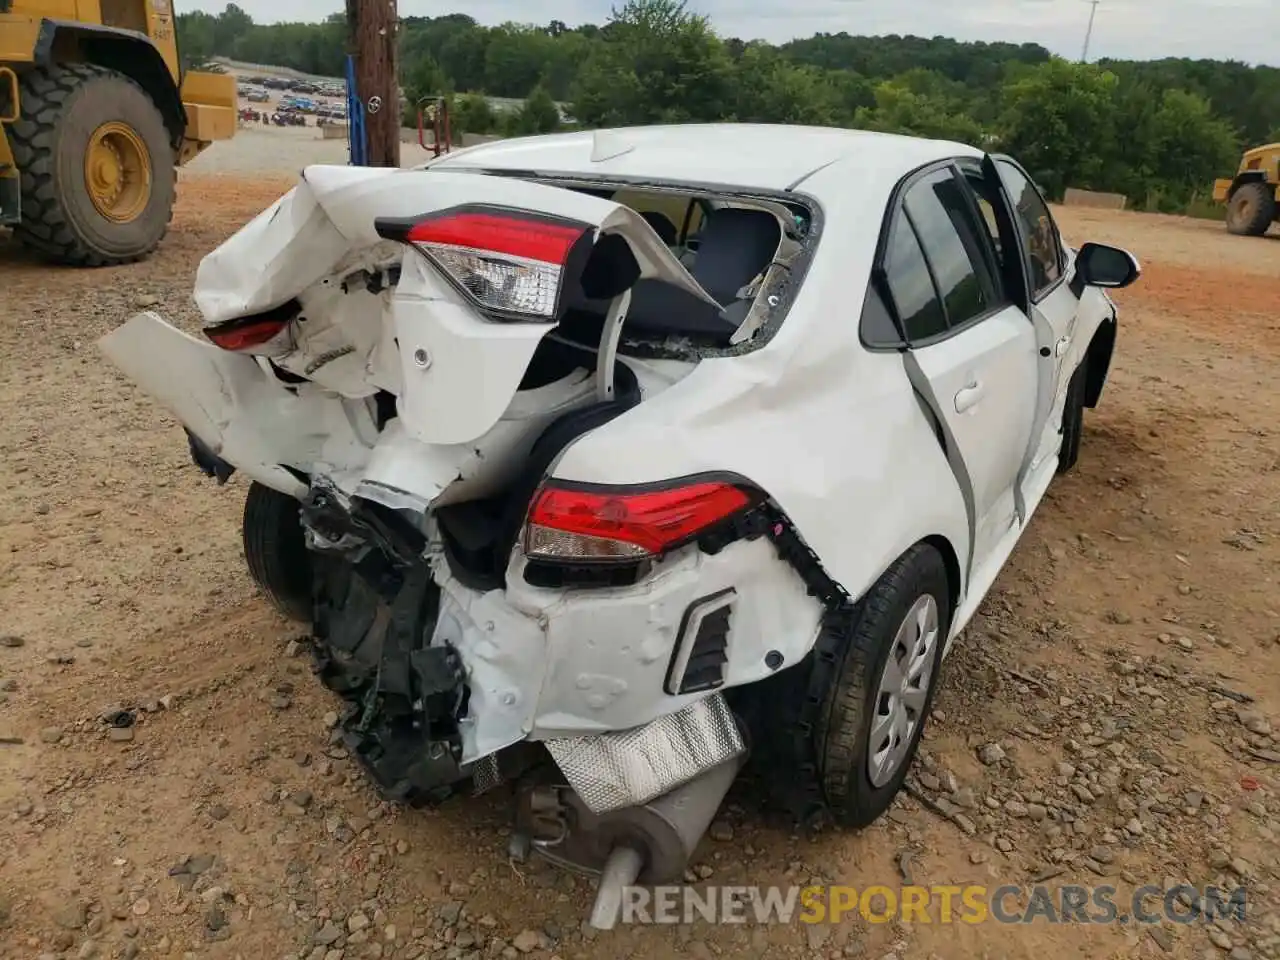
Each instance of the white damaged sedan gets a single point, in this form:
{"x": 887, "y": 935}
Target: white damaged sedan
{"x": 595, "y": 460}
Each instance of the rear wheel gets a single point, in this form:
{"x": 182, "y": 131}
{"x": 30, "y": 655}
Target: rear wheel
{"x": 1251, "y": 209}
{"x": 96, "y": 164}
{"x": 275, "y": 550}
{"x": 884, "y": 686}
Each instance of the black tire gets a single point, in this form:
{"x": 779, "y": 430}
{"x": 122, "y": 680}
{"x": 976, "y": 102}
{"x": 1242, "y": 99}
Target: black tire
{"x": 275, "y": 550}
{"x": 1073, "y": 419}
{"x": 62, "y": 107}
{"x": 1251, "y": 209}
{"x": 842, "y": 736}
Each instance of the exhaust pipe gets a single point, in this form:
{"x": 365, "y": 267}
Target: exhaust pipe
{"x": 651, "y": 843}
{"x": 621, "y": 870}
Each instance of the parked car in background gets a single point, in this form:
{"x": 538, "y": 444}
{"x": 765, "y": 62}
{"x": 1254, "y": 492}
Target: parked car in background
{"x": 593, "y": 458}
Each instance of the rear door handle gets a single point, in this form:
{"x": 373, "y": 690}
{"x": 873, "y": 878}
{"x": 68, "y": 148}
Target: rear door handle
{"x": 968, "y": 395}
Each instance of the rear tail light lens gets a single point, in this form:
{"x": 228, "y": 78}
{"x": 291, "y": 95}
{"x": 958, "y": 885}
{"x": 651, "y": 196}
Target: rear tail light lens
{"x": 574, "y": 524}
{"x": 245, "y": 336}
{"x": 509, "y": 262}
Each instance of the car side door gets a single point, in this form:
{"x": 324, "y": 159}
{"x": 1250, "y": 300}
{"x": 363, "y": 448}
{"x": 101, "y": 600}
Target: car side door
{"x": 1053, "y": 304}
{"x": 969, "y": 352}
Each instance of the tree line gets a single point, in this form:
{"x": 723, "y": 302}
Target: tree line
{"x": 1157, "y": 131}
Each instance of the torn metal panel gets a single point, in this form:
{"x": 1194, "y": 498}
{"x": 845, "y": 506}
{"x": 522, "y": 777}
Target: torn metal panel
{"x": 242, "y": 415}
{"x": 505, "y": 654}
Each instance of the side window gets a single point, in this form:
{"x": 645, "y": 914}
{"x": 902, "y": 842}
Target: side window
{"x": 1044, "y": 250}
{"x": 910, "y": 284}
{"x": 947, "y": 232}
{"x": 981, "y": 191}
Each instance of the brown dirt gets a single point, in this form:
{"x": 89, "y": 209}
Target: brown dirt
{"x": 1146, "y": 586}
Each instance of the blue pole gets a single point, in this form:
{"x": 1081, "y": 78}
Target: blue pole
{"x": 357, "y": 141}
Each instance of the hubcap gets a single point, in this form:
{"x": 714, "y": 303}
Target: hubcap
{"x": 117, "y": 172}
{"x": 902, "y": 690}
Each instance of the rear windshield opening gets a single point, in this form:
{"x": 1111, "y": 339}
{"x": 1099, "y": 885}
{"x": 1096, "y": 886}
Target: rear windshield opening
{"x": 743, "y": 251}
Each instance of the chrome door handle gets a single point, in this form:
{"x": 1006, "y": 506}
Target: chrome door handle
{"x": 968, "y": 396}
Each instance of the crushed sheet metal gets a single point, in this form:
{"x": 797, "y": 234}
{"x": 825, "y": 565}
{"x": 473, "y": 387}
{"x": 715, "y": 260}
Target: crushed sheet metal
{"x": 615, "y": 770}
{"x": 325, "y": 227}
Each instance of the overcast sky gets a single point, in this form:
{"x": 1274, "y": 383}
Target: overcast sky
{"x": 1141, "y": 29}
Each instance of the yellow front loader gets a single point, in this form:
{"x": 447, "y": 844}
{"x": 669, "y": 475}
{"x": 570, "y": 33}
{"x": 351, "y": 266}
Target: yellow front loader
{"x": 1252, "y": 196}
{"x": 95, "y": 115}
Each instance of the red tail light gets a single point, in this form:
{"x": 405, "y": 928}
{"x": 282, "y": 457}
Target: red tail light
{"x": 246, "y": 335}
{"x": 532, "y": 239}
{"x": 255, "y": 330}
{"x": 585, "y": 524}
{"x": 511, "y": 262}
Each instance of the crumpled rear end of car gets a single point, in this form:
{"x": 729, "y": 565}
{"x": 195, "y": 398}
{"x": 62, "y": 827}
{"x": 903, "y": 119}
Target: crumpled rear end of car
{"x": 392, "y": 356}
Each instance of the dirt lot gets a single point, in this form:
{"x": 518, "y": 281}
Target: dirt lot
{"x": 1127, "y": 664}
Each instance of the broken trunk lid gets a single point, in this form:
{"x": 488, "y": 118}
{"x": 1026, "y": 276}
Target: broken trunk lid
{"x": 327, "y": 222}
{"x": 461, "y": 365}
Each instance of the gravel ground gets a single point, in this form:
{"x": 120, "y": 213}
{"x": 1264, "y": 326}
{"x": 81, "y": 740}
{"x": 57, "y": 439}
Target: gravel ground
{"x": 1110, "y": 717}
{"x": 281, "y": 150}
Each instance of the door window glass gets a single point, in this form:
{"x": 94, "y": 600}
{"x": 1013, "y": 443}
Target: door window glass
{"x": 1044, "y": 250}
{"x": 947, "y": 232}
{"x": 910, "y": 284}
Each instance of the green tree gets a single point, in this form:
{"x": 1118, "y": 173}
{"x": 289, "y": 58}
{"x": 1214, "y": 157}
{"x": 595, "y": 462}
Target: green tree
{"x": 538, "y": 114}
{"x": 657, "y": 63}
{"x": 899, "y": 110}
{"x": 516, "y": 58}
{"x": 424, "y": 79}
{"x": 1061, "y": 121}
{"x": 473, "y": 114}
{"x": 771, "y": 89}
{"x": 1157, "y": 131}
{"x": 1185, "y": 147}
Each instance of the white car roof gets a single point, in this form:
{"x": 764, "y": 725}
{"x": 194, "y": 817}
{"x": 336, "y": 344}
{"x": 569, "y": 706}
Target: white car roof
{"x": 761, "y": 156}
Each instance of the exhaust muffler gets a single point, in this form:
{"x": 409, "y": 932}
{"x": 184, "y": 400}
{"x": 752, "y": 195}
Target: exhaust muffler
{"x": 650, "y": 843}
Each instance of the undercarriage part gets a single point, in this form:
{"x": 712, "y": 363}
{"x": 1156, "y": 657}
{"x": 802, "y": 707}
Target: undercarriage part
{"x": 210, "y": 464}
{"x": 621, "y": 870}
{"x": 373, "y": 622}
{"x": 650, "y": 843}
{"x": 613, "y": 771}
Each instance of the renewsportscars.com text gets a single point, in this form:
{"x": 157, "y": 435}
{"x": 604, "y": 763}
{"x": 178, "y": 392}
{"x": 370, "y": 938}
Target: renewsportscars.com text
{"x": 975, "y": 904}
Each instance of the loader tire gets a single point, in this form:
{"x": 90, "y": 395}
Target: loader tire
{"x": 275, "y": 550}
{"x": 96, "y": 164}
{"x": 1251, "y": 209}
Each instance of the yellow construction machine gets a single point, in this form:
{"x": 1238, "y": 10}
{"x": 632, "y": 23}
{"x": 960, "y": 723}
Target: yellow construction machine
{"x": 95, "y": 115}
{"x": 1253, "y": 195}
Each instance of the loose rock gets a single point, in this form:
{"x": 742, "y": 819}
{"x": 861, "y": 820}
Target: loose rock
{"x": 71, "y": 916}
{"x": 991, "y": 754}
{"x": 526, "y": 941}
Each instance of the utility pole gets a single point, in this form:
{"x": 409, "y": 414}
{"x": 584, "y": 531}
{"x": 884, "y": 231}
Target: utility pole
{"x": 1088, "y": 35}
{"x": 372, "y": 27}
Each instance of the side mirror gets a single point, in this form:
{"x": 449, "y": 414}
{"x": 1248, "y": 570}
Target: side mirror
{"x": 1102, "y": 266}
